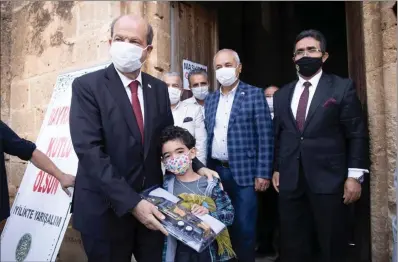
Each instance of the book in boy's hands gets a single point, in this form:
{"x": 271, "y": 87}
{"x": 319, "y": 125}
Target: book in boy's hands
{"x": 197, "y": 232}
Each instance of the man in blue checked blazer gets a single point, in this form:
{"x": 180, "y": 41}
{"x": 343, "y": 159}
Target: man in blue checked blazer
{"x": 240, "y": 146}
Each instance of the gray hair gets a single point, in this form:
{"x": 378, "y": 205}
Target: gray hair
{"x": 197, "y": 71}
{"x": 234, "y": 53}
{"x": 173, "y": 74}
{"x": 149, "y": 35}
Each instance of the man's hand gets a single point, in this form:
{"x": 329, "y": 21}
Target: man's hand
{"x": 210, "y": 174}
{"x": 204, "y": 171}
{"x": 66, "y": 181}
{"x": 261, "y": 184}
{"x": 275, "y": 181}
{"x": 199, "y": 210}
{"x": 352, "y": 191}
{"x": 148, "y": 215}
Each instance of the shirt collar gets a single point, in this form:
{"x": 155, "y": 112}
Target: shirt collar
{"x": 314, "y": 80}
{"x": 127, "y": 81}
{"x": 232, "y": 92}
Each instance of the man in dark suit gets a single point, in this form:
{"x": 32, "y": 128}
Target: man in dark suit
{"x": 321, "y": 156}
{"x": 240, "y": 146}
{"x": 116, "y": 118}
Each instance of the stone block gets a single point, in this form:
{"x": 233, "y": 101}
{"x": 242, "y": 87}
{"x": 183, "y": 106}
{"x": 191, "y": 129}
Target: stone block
{"x": 390, "y": 88}
{"x": 85, "y": 50}
{"x": 72, "y": 247}
{"x": 67, "y": 12}
{"x": 17, "y": 171}
{"x": 375, "y": 92}
{"x": 158, "y": 15}
{"x": 12, "y": 190}
{"x": 41, "y": 89}
{"x": 19, "y": 95}
{"x": 103, "y": 51}
{"x": 388, "y": 18}
{"x": 373, "y": 48}
{"x": 22, "y": 121}
{"x": 92, "y": 15}
{"x": 390, "y": 38}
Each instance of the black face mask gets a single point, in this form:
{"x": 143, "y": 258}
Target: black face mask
{"x": 308, "y": 66}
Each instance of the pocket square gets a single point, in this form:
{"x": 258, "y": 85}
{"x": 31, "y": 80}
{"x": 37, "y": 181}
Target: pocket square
{"x": 329, "y": 102}
{"x": 187, "y": 119}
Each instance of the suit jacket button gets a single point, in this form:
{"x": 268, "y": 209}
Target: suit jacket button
{"x": 298, "y": 158}
{"x": 302, "y": 138}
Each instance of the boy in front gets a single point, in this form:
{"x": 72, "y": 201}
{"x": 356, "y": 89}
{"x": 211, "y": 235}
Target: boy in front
{"x": 199, "y": 194}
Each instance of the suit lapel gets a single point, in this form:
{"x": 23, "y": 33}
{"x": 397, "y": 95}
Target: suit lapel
{"x": 240, "y": 94}
{"x": 118, "y": 92}
{"x": 150, "y": 103}
{"x": 289, "y": 105}
{"x": 213, "y": 110}
{"x": 322, "y": 93}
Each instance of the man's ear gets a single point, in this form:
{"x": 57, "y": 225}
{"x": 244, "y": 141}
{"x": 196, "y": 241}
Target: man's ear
{"x": 240, "y": 68}
{"x": 325, "y": 57}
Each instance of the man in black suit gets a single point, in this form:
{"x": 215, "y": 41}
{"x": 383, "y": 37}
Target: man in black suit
{"x": 116, "y": 118}
{"x": 321, "y": 156}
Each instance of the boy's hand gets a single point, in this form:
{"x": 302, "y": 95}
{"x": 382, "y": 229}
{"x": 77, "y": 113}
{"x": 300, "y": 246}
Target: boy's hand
{"x": 199, "y": 210}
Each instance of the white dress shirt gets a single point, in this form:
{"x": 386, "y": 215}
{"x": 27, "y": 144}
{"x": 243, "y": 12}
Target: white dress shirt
{"x": 126, "y": 82}
{"x": 196, "y": 126}
{"x": 298, "y": 90}
{"x": 192, "y": 100}
{"x": 220, "y": 143}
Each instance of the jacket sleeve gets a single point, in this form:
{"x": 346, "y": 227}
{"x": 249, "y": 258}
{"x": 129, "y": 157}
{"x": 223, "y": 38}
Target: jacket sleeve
{"x": 224, "y": 210}
{"x": 353, "y": 122}
{"x": 277, "y": 130}
{"x": 14, "y": 145}
{"x": 263, "y": 122}
{"x": 200, "y": 136}
{"x": 86, "y": 133}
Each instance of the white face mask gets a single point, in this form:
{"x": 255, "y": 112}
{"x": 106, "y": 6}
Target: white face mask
{"x": 226, "y": 76}
{"x": 174, "y": 95}
{"x": 126, "y": 57}
{"x": 200, "y": 92}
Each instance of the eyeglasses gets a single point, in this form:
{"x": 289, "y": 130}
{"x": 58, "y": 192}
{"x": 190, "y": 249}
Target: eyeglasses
{"x": 309, "y": 50}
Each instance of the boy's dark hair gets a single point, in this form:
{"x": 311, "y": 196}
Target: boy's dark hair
{"x": 314, "y": 34}
{"x": 171, "y": 133}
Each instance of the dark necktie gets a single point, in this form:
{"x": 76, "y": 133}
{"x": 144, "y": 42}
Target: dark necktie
{"x": 136, "y": 107}
{"x": 302, "y": 106}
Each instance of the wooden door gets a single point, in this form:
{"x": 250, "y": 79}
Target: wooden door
{"x": 194, "y": 36}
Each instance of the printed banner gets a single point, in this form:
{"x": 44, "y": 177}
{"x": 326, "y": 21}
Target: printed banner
{"x": 188, "y": 66}
{"x": 41, "y": 211}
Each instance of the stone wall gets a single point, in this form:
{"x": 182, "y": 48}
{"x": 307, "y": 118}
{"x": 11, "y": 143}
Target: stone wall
{"x": 380, "y": 27}
{"x": 48, "y": 38}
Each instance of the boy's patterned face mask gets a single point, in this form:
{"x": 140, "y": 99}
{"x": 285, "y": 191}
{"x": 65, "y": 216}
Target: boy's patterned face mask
{"x": 178, "y": 165}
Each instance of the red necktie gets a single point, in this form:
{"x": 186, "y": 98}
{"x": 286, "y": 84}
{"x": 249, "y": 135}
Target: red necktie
{"x": 136, "y": 107}
{"x": 302, "y": 106}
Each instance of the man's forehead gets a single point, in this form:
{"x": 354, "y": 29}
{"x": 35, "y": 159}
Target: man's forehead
{"x": 172, "y": 79}
{"x": 198, "y": 77}
{"x": 307, "y": 42}
{"x": 224, "y": 57}
{"x": 132, "y": 25}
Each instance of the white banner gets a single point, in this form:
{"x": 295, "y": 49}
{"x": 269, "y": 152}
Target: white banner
{"x": 41, "y": 210}
{"x": 188, "y": 66}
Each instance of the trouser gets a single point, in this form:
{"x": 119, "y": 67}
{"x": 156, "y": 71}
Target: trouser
{"x": 145, "y": 244}
{"x": 243, "y": 229}
{"x": 313, "y": 226}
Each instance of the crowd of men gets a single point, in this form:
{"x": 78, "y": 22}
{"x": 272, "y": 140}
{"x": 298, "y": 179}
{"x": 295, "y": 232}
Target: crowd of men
{"x": 293, "y": 157}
